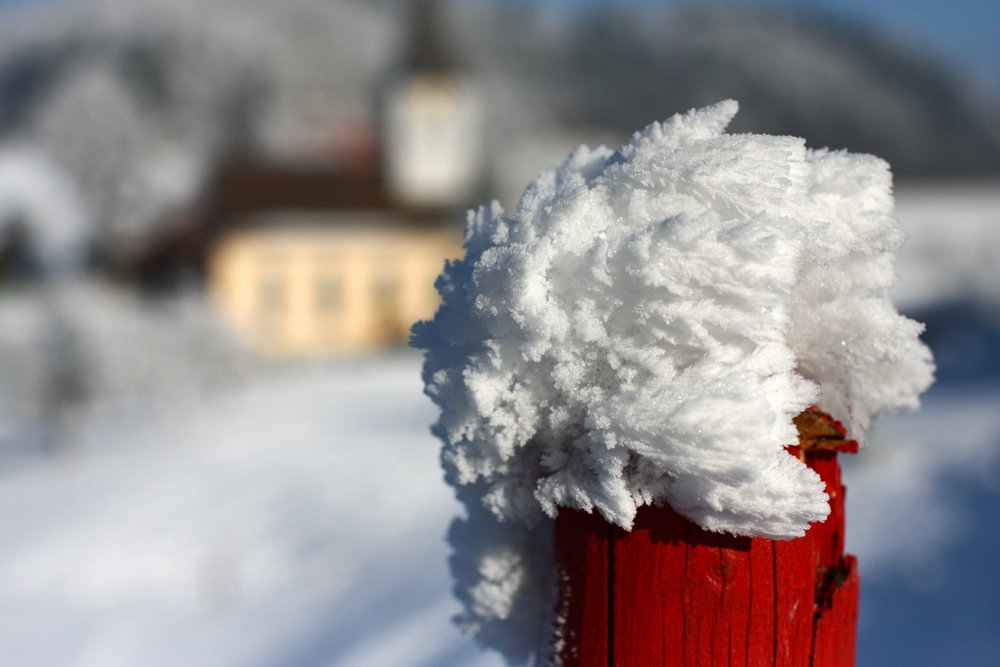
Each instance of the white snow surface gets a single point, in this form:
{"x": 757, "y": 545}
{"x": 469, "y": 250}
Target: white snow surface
{"x": 38, "y": 194}
{"x": 644, "y": 328}
{"x": 901, "y": 515}
{"x": 953, "y": 250}
{"x": 250, "y": 528}
{"x": 244, "y": 528}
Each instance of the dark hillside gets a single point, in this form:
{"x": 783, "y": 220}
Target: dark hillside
{"x": 836, "y": 84}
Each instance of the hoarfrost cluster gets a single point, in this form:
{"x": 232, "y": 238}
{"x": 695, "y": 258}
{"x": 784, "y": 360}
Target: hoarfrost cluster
{"x": 643, "y": 330}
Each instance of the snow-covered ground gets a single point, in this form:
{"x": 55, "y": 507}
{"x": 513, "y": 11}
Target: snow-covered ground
{"x": 953, "y": 252}
{"x": 296, "y": 520}
{"x": 184, "y": 505}
{"x": 923, "y": 506}
{"x": 299, "y": 519}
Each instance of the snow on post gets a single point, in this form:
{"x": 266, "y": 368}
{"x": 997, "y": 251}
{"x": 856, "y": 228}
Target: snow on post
{"x": 642, "y": 332}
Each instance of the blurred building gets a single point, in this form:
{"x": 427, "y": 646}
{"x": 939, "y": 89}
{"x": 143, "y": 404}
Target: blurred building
{"x": 319, "y": 259}
{"x": 310, "y": 260}
{"x": 433, "y": 123}
{"x": 309, "y": 284}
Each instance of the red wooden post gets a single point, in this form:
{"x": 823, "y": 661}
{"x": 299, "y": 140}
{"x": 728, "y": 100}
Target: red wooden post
{"x": 668, "y": 593}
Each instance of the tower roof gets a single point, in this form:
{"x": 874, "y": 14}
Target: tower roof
{"x": 428, "y": 51}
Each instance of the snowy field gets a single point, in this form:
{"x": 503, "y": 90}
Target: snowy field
{"x": 923, "y": 508}
{"x": 299, "y": 520}
{"x": 296, "y": 520}
{"x": 188, "y": 506}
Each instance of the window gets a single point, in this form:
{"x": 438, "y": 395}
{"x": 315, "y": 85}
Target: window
{"x": 271, "y": 294}
{"x": 329, "y": 294}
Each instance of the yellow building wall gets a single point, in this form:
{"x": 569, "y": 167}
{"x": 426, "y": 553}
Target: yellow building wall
{"x": 328, "y": 291}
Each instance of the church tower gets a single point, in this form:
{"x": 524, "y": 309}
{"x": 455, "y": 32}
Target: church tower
{"x": 433, "y": 122}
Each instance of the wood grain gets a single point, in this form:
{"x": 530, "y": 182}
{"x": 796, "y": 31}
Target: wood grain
{"x": 670, "y": 594}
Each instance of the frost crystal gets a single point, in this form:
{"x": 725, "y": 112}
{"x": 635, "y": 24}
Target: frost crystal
{"x": 644, "y": 329}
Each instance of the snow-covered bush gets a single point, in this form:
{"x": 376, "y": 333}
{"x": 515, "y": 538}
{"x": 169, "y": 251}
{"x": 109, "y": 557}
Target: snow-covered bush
{"x": 643, "y": 330}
